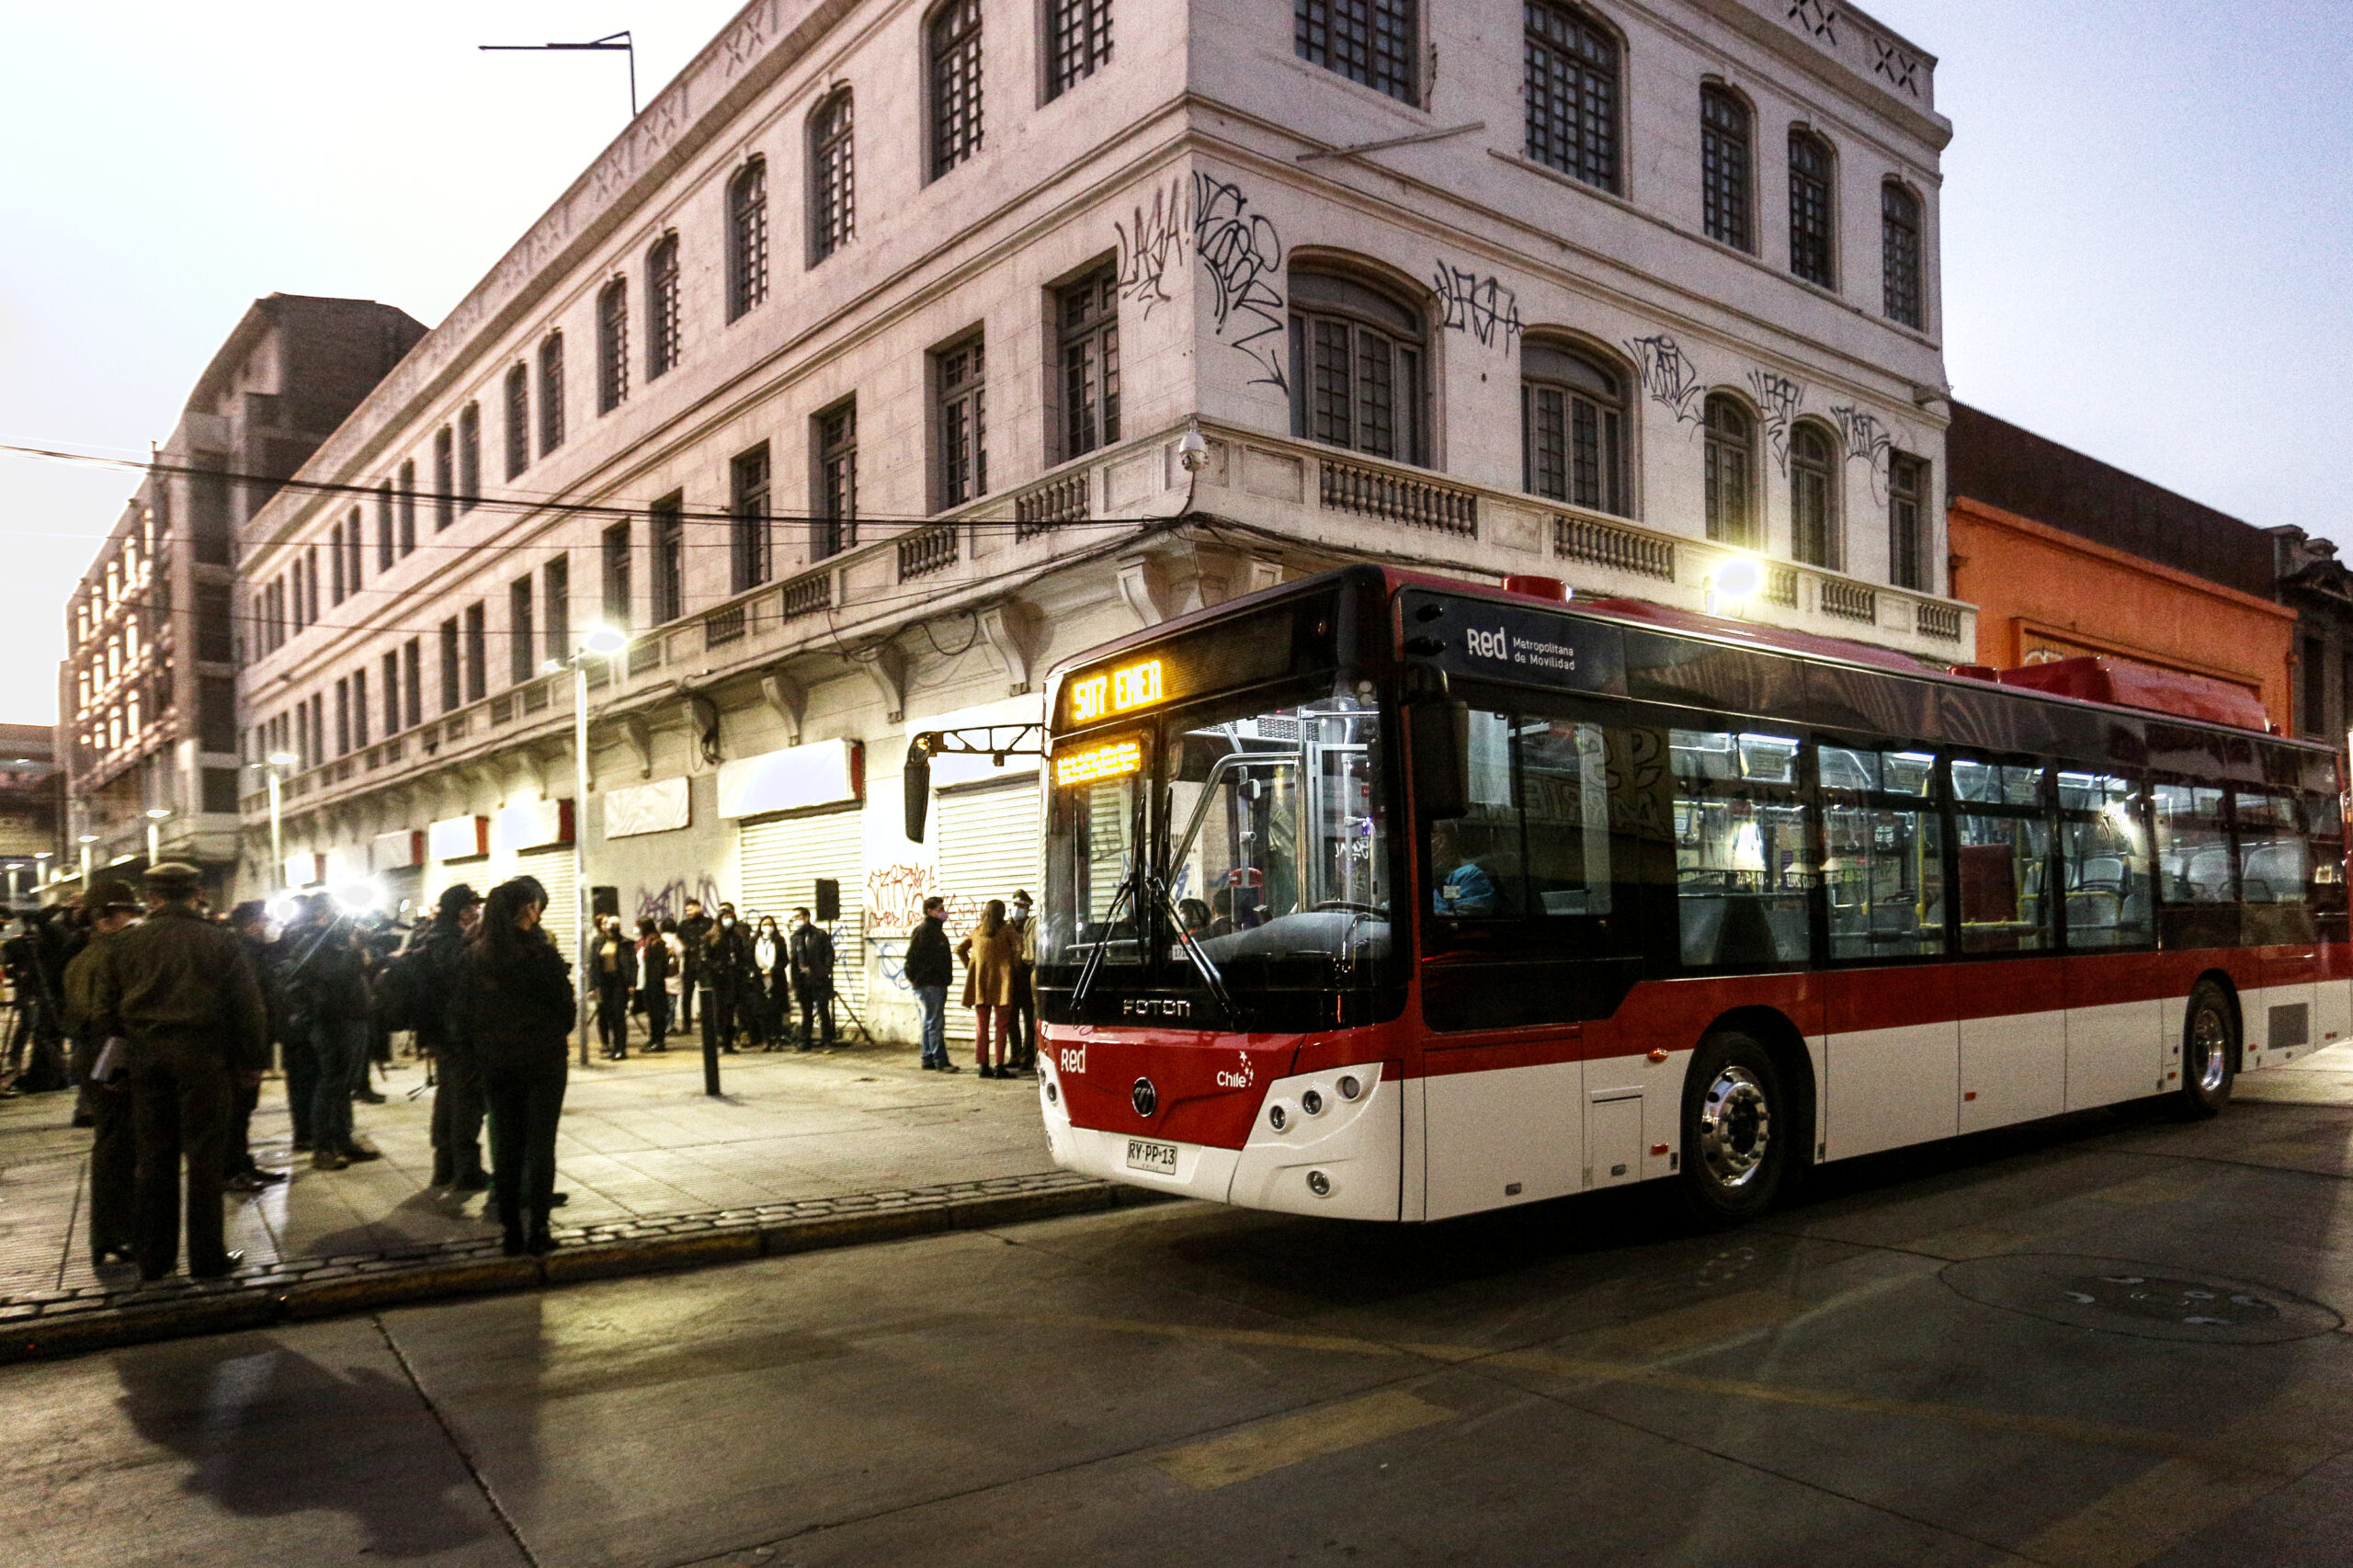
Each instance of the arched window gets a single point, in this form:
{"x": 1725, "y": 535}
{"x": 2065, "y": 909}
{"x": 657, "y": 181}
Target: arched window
{"x": 954, "y": 35}
{"x": 550, "y": 392}
{"x": 748, "y": 238}
{"x": 1813, "y": 496}
{"x": 1357, "y": 373}
{"x": 612, "y": 344}
{"x": 1899, "y": 249}
{"x": 1731, "y": 472}
{"x": 832, "y": 188}
{"x": 1377, "y": 43}
{"x": 1571, "y": 86}
{"x": 1571, "y": 428}
{"x": 1078, "y": 39}
{"x": 1727, "y": 162}
{"x": 1813, "y": 211}
{"x": 661, "y": 306}
{"x": 519, "y": 419}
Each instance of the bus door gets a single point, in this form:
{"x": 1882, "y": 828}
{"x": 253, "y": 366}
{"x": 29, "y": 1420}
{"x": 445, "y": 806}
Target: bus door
{"x": 2275, "y": 888}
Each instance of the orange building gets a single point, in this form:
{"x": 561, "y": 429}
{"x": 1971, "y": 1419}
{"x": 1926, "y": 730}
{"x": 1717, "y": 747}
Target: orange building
{"x": 2081, "y": 579}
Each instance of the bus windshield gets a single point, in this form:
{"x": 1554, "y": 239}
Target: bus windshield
{"x": 1271, "y": 866}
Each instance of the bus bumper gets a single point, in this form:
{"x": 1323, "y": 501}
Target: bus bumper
{"x": 1343, "y": 1161}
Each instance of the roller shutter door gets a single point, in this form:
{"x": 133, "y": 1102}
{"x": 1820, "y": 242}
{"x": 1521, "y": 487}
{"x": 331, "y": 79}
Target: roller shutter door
{"x": 988, "y": 847}
{"x": 781, "y": 863}
{"x": 553, "y": 868}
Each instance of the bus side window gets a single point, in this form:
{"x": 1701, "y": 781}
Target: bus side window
{"x": 1884, "y": 834}
{"x": 2274, "y": 868}
{"x": 1564, "y": 802}
{"x": 1743, "y": 862}
{"x": 1475, "y": 870}
{"x": 2003, "y": 847}
{"x": 2104, "y": 862}
{"x": 2193, "y": 846}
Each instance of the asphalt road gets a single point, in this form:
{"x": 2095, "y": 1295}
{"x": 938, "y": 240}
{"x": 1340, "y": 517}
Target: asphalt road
{"x": 2109, "y": 1341}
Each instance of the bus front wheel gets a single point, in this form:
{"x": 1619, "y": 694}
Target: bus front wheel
{"x": 1736, "y": 1129}
{"x": 2209, "y": 1050}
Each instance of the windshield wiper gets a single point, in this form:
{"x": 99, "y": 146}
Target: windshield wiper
{"x": 1094, "y": 965}
{"x": 1212, "y": 979}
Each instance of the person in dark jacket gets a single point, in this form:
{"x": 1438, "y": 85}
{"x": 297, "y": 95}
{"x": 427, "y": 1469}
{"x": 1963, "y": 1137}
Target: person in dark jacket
{"x": 693, "y": 931}
{"x": 437, "y": 950}
{"x": 727, "y": 978}
{"x": 931, "y": 969}
{"x": 812, "y": 978}
{"x": 250, "y": 921}
{"x": 612, "y": 960}
{"x": 111, "y": 907}
{"x": 329, "y": 976}
{"x": 291, "y": 1017}
{"x": 769, "y": 995}
{"x": 179, "y": 990}
{"x": 513, "y": 1005}
{"x": 654, "y": 983}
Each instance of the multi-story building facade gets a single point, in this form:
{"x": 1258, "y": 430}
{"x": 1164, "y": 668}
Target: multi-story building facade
{"x": 31, "y": 789}
{"x": 850, "y": 381}
{"x": 146, "y": 694}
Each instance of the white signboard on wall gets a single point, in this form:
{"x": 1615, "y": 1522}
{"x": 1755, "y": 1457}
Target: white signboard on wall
{"x": 534, "y": 824}
{"x": 396, "y": 851}
{"x": 658, "y": 807}
{"x": 456, "y": 838}
{"x": 306, "y": 869}
{"x": 824, "y": 773}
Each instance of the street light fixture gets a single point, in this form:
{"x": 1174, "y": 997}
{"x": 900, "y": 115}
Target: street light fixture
{"x": 87, "y": 840}
{"x": 156, "y": 815}
{"x": 1736, "y": 581}
{"x": 599, "y": 642}
{"x": 275, "y": 764}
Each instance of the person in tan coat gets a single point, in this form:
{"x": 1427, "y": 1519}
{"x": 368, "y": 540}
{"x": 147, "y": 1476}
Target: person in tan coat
{"x": 992, "y": 955}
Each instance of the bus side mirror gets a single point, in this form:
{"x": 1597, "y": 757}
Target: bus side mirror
{"x": 1438, "y": 732}
{"x": 914, "y": 782}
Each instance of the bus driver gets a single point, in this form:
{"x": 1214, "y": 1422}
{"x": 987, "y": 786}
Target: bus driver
{"x": 1462, "y": 885}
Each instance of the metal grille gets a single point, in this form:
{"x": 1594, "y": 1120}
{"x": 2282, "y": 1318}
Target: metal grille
{"x": 1078, "y": 36}
{"x": 613, "y": 346}
{"x": 955, "y": 84}
{"x": 1371, "y": 42}
{"x": 1623, "y": 549}
{"x": 1374, "y": 492}
{"x": 932, "y": 550}
{"x": 661, "y": 306}
{"x": 1899, "y": 245}
{"x": 1810, "y": 210}
{"x": 1724, "y": 168}
{"x": 833, "y": 205}
{"x": 1572, "y": 92}
{"x": 748, "y": 238}
{"x": 1062, "y": 500}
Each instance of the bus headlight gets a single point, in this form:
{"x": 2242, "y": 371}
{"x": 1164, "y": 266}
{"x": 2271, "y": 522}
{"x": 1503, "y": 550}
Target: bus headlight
{"x": 1277, "y": 1118}
{"x": 1312, "y": 1102}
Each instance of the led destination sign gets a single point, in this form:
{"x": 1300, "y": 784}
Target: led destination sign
{"x": 1118, "y": 690}
{"x": 1105, "y": 759}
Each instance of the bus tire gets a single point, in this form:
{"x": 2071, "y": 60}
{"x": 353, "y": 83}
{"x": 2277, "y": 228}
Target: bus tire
{"x": 1737, "y": 1130}
{"x": 2210, "y": 1051}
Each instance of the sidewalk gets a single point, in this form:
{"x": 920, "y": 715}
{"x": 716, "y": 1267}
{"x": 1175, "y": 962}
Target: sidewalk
{"x": 640, "y": 1142}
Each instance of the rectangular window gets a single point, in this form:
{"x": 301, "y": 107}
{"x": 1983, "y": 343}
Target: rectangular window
{"x": 2104, "y": 848}
{"x": 555, "y": 600}
{"x": 1571, "y": 69}
{"x": 747, "y": 510}
{"x": 1078, "y": 39}
{"x": 391, "y": 684}
{"x": 1745, "y": 869}
{"x": 208, "y": 490}
{"x": 519, "y": 419}
{"x": 2312, "y": 687}
{"x": 450, "y": 675}
{"x": 617, "y": 583}
{"x": 669, "y": 557}
{"x": 359, "y": 707}
{"x": 835, "y": 528}
{"x": 221, "y": 790}
{"x": 215, "y": 641}
{"x": 477, "y": 652}
{"x": 1907, "y": 522}
{"x": 1089, "y": 320}
{"x": 216, "y": 713}
{"x": 334, "y": 566}
{"x": 661, "y": 307}
{"x": 408, "y": 508}
{"x": 1899, "y": 244}
{"x": 550, "y": 392}
{"x": 445, "y": 480}
{"x": 613, "y": 346}
{"x": 962, "y": 418}
{"x": 1813, "y": 221}
{"x": 2001, "y": 848}
{"x": 522, "y": 636}
{"x": 342, "y": 717}
{"x": 1725, "y": 164}
{"x": 413, "y": 683}
{"x": 1536, "y": 839}
{"x": 1372, "y": 41}
{"x": 2193, "y": 846}
{"x": 469, "y": 457}
{"x": 355, "y": 551}
{"x": 384, "y": 527}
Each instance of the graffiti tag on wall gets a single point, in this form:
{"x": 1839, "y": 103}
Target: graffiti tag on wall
{"x": 1781, "y": 398}
{"x": 1152, "y": 245}
{"x": 668, "y": 902}
{"x": 1244, "y": 257}
{"x": 1670, "y": 377}
{"x": 1864, "y": 437}
{"x": 1480, "y": 306}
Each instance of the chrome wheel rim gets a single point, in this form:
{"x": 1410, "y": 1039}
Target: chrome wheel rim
{"x": 2212, "y": 1041}
{"x": 1735, "y": 1128}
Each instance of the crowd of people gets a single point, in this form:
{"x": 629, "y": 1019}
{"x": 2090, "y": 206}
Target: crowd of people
{"x": 163, "y": 1020}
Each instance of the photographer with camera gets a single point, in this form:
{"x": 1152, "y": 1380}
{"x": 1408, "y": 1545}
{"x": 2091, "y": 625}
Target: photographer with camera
{"x": 327, "y": 984}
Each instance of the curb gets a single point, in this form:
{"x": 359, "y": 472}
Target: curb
{"x": 272, "y": 1296}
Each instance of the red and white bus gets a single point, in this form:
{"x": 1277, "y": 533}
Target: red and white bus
{"x": 1383, "y": 896}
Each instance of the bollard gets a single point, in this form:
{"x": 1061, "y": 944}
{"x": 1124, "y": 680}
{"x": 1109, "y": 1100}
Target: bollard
{"x": 709, "y": 1050}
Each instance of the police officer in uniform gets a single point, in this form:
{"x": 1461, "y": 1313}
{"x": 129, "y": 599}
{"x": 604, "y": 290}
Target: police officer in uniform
{"x": 179, "y": 989}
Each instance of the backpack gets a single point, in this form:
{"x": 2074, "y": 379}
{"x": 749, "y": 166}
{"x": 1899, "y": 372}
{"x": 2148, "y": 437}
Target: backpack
{"x": 411, "y": 987}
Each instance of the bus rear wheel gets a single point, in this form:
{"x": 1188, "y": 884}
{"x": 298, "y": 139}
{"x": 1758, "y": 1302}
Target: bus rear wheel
{"x": 1736, "y": 1129}
{"x": 2209, "y": 1050}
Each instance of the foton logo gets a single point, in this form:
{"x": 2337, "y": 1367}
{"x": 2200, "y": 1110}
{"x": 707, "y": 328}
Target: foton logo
{"x": 1487, "y": 644}
{"x": 1073, "y": 1058}
{"x": 1156, "y": 1007}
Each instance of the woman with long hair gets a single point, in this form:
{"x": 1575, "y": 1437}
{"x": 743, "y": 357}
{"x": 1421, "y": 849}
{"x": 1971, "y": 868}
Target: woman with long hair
{"x": 514, "y": 1003}
{"x": 772, "y": 957}
{"x": 653, "y": 981}
{"x": 990, "y": 951}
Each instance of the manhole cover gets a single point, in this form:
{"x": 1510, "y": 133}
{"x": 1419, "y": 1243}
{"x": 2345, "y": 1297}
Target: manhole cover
{"x": 2151, "y": 1301}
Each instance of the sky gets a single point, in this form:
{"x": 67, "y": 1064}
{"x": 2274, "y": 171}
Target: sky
{"x": 2147, "y": 216}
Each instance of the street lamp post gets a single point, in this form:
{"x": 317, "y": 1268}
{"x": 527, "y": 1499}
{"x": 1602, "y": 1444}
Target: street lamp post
{"x": 605, "y": 642}
{"x": 41, "y": 858}
{"x": 156, "y": 815}
{"x": 276, "y": 762}
{"x": 87, "y": 840}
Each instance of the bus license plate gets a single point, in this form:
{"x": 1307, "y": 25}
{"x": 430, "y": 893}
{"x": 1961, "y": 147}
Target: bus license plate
{"x": 1158, "y": 1158}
